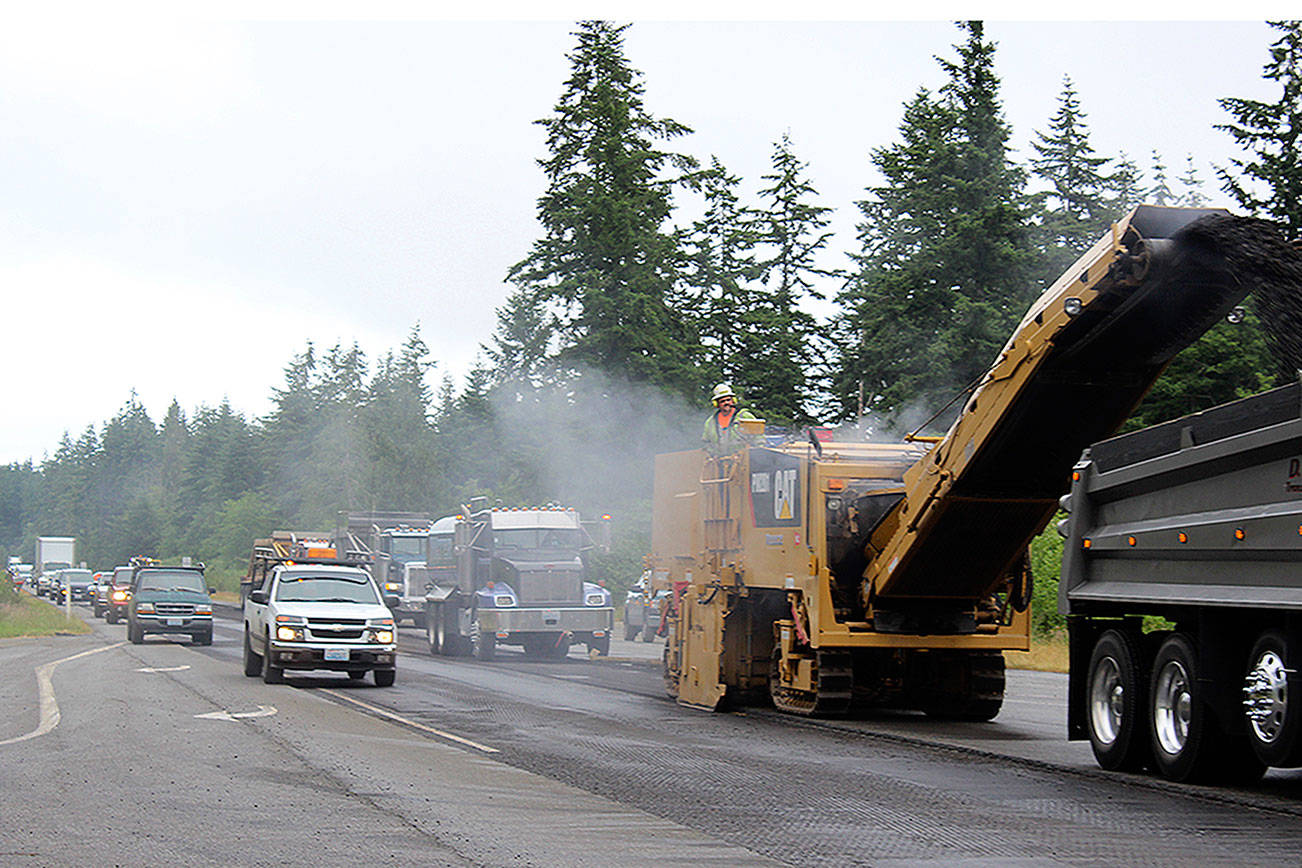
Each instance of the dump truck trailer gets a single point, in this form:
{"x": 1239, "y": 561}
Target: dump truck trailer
{"x": 828, "y": 575}
{"x": 1197, "y": 522}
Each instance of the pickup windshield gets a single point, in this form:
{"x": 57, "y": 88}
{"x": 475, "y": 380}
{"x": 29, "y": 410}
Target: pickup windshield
{"x": 326, "y": 589}
{"x": 171, "y": 580}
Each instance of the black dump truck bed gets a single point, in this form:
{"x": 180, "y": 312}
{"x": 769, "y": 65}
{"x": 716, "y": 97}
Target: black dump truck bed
{"x": 1205, "y": 510}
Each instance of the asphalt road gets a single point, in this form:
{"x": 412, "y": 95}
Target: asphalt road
{"x": 569, "y": 763}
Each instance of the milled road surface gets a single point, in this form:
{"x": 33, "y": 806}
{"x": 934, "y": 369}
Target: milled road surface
{"x": 592, "y": 766}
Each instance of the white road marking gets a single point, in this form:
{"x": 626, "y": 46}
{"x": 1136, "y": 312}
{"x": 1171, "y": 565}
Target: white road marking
{"x": 384, "y": 712}
{"x": 50, "y": 705}
{"x": 164, "y": 668}
{"x": 263, "y": 711}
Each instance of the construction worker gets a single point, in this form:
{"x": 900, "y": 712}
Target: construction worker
{"x": 722, "y": 434}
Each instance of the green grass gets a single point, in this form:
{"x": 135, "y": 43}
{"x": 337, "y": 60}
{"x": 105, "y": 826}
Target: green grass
{"x": 24, "y": 615}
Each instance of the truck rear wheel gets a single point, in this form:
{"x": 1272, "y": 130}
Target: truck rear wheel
{"x": 1188, "y": 743}
{"x": 1116, "y": 703}
{"x": 434, "y": 630}
{"x": 482, "y": 645}
{"x": 1271, "y": 702}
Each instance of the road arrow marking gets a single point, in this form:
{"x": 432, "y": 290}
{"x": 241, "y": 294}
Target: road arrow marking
{"x": 164, "y": 668}
{"x": 263, "y": 711}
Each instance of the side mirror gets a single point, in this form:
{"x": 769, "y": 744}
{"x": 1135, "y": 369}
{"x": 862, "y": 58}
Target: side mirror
{"x": 393, "y": 601}
{"x": 259, "y": 597}
{"x": 212, "y": 591}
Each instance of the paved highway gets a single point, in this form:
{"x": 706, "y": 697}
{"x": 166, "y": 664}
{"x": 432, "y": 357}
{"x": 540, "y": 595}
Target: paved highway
{"x": 164, "y": 753}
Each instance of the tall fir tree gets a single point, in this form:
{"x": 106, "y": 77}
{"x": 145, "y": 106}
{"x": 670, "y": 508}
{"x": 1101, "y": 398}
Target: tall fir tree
{"x": 1078, "y": 205}
{"x": 781, "y": 374}
{"x": 1267, "y": 180}
{"x": 607, "y": 261}
{"x": 943, "y": 271}
{"x": 1160, "y": 193}
{"x": 1191, "y": 185}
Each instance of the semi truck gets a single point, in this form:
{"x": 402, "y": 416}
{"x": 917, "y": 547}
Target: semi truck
{"x": 397, "y": 544}
{"x": 522, "y": 578}
{"x": 1181, "y": 585}
{"x": 823, "y": 576}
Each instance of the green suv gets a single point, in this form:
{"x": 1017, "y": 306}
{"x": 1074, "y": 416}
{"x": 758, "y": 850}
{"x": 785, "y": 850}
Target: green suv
{"x": 170, "y": 600}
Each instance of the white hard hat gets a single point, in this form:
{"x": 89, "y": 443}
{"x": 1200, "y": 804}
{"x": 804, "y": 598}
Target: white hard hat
{"x": 723, "y": 390}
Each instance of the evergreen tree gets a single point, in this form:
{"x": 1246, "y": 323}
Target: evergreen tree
{"x": 1078, "y": 207}
{"x": 793, "y": 230}
{"x": 1125, "y": 185}
{"x": 718, "y": 275}
{"x": 522, "y": 341}
{"x": 606, "y": 263}
{"x": 1160, "y": 193}
{"x": 943, "y": 270}
{"x": 1192, "y": 184}
{"x": 1267, "y": 181}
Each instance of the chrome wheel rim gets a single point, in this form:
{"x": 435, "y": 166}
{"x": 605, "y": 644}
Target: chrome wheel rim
{"x": 1107, "y": 700}
{"x": 1265, "y": 697}
{"x": 1172, "y": 707}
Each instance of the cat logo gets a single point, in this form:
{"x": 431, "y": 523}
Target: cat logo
{"x": 784, "y": 494}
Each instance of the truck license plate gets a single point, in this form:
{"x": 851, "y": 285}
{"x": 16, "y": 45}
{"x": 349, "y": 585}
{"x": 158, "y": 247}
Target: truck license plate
{"x": 174, "y": 622}
{"x": 336, "y": 653}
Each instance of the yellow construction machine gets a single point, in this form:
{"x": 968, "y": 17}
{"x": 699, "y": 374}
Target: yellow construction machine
{"x": 827, "y": 576}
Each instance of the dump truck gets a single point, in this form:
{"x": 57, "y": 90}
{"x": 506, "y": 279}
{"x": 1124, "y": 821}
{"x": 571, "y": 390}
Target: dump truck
{"x": 825, "y": 576}
{"x": 1181, "y": 588}
{"x": 397, "y": 543}
{"x": 521, "y": 578}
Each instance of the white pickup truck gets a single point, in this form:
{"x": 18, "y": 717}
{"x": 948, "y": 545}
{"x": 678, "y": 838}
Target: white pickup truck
{"x": 319, "y": 616}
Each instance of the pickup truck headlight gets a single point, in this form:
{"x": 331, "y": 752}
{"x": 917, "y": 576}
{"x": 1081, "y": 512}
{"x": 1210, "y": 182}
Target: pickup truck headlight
{"x": 203, "y": 609}
{"x": 120, "y": 596}
{"x": 379, "y": 622}
{"x": 144, "y": 608}
{"x": 392, "y": 586}
{"x": 289, "y": 634}
{"x": 383, "y": 637}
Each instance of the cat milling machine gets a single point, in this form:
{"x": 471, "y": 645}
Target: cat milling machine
{"x": 875, "y": 574}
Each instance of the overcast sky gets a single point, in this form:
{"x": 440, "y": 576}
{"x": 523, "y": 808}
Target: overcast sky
{"x": 186, "y": 205}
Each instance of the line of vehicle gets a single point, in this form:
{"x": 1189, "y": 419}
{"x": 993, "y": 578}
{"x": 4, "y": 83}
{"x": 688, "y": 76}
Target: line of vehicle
{"x": 398, "y": 718}
{"x": 48, "y": 702}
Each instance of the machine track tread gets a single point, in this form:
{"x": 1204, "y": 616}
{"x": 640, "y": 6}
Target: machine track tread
{"x": 834, "y": 675}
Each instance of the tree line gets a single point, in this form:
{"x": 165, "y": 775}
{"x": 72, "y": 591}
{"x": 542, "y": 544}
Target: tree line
{"x": 623, "y": 313}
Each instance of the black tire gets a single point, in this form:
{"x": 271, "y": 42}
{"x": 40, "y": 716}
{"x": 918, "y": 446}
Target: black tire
{"x": 1272, "y": 700}
{"x": 134, "y": 634}
{"x": 356, "y": 674}
{"x": 630, "y": 632}
{"x": 971, "y": 687}
{"x": 203, "y": 638}
{"x": 649, "y": 633}
{"x": 601, "y": 646}
{"x": 1116, "y": 703}
{"x": 271, "y": 674}
{"x": 1188, "y": 743}
{"x": 252, "y": 660}
{"x": 482, "y": 645}
{"x": 558, "y": 648}
{"x": 112, "y": 615}
{"x": 384, "y": 677}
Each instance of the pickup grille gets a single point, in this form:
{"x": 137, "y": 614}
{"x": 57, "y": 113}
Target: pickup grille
{"x": 336, "y": 629}
{"x": 174, "y": 610}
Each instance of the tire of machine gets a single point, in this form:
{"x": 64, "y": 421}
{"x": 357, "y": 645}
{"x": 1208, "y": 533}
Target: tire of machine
{"x": 1272, "y": 702}
{"x": 630, "y": 631}
{"x": 1117, "y": 703}
{"x": 978, "y": 695}
{"x": 1187, "y": 741}
{"x": 384, "y": 677}
{"x": 482, "y": 645}
{"x": 558, "y": 648}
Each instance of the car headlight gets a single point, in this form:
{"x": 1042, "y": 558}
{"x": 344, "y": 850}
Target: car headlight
{"x": 289, "y": 634}
{"x": 144, "y": 608}
{"x": 384, "y": 637}
{"x": 203, "y": 609}
{"x": 379, "y": 622}
{"x": 392, "y": 586}
{"x": 503, "y": 601}
{"x": 120, "y": 596}
{"x": 594, "y": 600}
